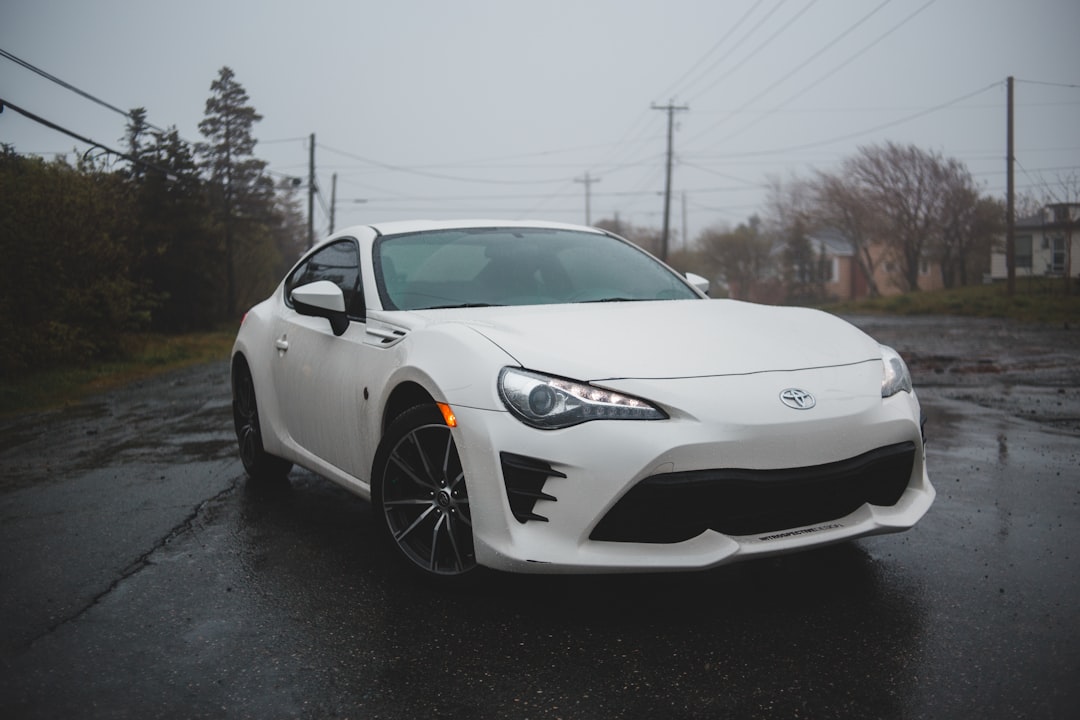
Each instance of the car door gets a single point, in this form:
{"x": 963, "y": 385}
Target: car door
{"x": 319, "y": 377}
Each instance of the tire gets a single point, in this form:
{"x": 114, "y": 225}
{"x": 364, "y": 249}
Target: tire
{"x": 258, "y": 464}
{"x": 420, "y": 498}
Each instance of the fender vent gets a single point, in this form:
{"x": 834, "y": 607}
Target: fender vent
{"x": 383, "y": 335}
{"x": 524, "y": 478}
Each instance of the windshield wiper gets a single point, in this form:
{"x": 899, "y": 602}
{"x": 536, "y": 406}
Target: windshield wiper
{"x": 461, "y": 305}
{"x": 613, "y": 299}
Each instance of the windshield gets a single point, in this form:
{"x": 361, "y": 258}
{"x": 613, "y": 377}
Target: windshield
{"x": 517, "y": 266}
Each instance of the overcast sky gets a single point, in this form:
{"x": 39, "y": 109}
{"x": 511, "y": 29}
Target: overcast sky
{"x": 466, "y": 108}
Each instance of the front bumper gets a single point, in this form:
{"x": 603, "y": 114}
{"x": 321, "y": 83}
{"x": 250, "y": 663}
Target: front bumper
{"x": 566, "y": 486}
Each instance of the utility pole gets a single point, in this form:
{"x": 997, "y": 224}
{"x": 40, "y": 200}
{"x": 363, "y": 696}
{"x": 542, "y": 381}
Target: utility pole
{"x": 1010, "y": 196}
{"x": 333, "y": 200}
{"x": 588, "y": 181}
{"x": 670, "y": 108}
{"x": 685, "y": 229}
{"x": 311, "y": 194}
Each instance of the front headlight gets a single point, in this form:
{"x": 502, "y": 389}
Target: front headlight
{"x": 549, "y": 403}
{"x": 896, "y": 376}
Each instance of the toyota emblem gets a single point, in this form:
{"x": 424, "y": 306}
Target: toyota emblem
{"x": 797, "y": 399}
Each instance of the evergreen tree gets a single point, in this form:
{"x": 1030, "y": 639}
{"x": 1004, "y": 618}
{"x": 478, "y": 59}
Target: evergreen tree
{"x": 244, "y": 194}
{"x": 181, "y": 256}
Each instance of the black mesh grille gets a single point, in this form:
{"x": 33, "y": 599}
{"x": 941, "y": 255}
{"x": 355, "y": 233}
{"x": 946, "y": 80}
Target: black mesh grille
{"x": 524, "y": 478}
{"x": 679, "y": 506}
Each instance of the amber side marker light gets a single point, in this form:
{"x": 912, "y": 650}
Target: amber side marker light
{"x": 448, "y": 415}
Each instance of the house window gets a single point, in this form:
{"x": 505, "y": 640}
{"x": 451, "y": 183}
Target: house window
{"x": 1023, "y": 252}
{"x": 1057, "y": 255}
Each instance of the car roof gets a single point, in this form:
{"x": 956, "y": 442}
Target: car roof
{"x": 410, "y": 226}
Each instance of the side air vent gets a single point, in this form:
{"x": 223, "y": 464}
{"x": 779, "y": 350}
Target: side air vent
{"x": 524, "y": 478}
{"x": 383, "y": 335}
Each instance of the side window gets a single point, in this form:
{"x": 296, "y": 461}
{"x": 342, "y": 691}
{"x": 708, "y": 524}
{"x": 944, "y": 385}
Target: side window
{"x": 340, "y": 264}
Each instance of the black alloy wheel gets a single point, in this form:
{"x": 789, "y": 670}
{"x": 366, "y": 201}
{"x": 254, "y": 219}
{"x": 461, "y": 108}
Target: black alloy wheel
{"x": 420, "y": 496}
{"x": 257, "y": 462}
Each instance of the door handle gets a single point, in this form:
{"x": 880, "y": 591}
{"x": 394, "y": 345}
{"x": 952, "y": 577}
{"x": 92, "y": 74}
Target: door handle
{"x": 281, "y": 344}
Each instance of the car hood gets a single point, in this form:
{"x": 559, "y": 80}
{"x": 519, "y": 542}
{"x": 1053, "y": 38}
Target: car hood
{"x": 666, "y": 339}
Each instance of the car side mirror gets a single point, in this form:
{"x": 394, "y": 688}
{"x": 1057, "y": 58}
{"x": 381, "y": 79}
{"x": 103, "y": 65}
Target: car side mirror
{"x": 699, "y": 282}
{"x": 322, "y": 299}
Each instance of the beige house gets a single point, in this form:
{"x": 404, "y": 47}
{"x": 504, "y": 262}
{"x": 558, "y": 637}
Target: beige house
{"x": 845, "y": 278}
{"x": 836, "y": 273}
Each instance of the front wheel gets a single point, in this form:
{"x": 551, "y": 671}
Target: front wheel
{"x": 420, "y": 497}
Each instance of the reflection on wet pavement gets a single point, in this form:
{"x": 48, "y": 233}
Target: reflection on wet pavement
{"x": 146, "y": 574}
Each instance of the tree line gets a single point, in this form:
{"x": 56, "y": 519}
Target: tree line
{"x": 898, "y": 208}
{"x": 185, "y": 236}
{"x": 93, "y": 252}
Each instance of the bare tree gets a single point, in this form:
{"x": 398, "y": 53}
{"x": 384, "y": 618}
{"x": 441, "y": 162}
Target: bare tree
{"x": 789, "y": 220}
{"x": 741, "y": 257}
{"x": 907, "y": 206}
{"x": 967, "y": 225}
{"x": 841, "y": 205}
{"x": 904, "y": 185}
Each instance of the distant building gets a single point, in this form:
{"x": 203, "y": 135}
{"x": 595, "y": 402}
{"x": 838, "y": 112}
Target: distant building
{"x": 1046, "y": 244}
{"x": 845, "y": 278}
{"x": 831, "y": 272}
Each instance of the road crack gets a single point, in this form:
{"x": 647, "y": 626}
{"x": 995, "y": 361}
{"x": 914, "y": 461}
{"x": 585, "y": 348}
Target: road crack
{"x": 187, "y": 524}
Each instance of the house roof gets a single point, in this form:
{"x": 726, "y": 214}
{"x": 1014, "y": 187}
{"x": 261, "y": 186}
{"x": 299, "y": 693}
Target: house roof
{"x": 831, "y": 242}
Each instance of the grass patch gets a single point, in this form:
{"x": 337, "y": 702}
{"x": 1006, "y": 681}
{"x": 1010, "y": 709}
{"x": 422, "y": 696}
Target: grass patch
{"x": 145, "y": 355}
{"x": 1036, "y": 301}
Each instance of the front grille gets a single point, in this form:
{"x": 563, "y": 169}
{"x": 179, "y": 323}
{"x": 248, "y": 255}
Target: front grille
{"x": 678, "y": 506}
{"x": 524, "y": 478}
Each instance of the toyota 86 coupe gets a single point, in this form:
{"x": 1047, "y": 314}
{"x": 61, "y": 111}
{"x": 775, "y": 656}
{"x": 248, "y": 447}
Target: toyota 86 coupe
{"x": 548, "y": 398}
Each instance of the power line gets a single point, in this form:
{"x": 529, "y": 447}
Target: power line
{"x": 761, "y": 46}
{"x": 868, "y": 131}
{"x": 69, "y": 86}
{"x": 827, "y": 75}
{"x": 93, "y": 143}
{"x": 813, "y": 57}
{"x": 731, "y": 31}
{"x": 437, "y": 176}
{"x": 737, "y": 45}
{"x": 836, "y": 69}
{"x": 1051, "y": 84}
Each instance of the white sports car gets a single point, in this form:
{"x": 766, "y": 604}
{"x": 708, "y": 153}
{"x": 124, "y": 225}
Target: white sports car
{"x": 538, "y": 397}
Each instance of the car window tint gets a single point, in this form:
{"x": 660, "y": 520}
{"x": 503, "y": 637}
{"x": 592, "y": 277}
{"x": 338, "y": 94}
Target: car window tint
{"x": 340, "y": 264}
{"x": 517, "y": 266}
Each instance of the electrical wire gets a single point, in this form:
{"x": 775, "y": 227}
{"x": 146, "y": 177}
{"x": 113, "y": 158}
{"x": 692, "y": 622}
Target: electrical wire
{"x": 69, "y": 86}
{"x": 824, "y": 77}
{"x": 868, "y": 131}
{"x": 92, "y": 143}
{"x": 738, "y": 23}
{"x": 437, "y": 176}
{"x": 805, "y": 63}
{"x": 753, "y": 53}
{"x": 716, "y": 63}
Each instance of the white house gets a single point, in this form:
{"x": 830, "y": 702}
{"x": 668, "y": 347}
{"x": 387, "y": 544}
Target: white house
{"x": 1046, "y": 243}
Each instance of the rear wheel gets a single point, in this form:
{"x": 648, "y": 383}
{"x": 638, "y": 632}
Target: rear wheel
{"x": 420, "y": 497}
{"x": 258, "y": 463}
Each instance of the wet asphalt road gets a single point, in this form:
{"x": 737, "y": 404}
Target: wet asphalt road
{"x": 142, "y": 576}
